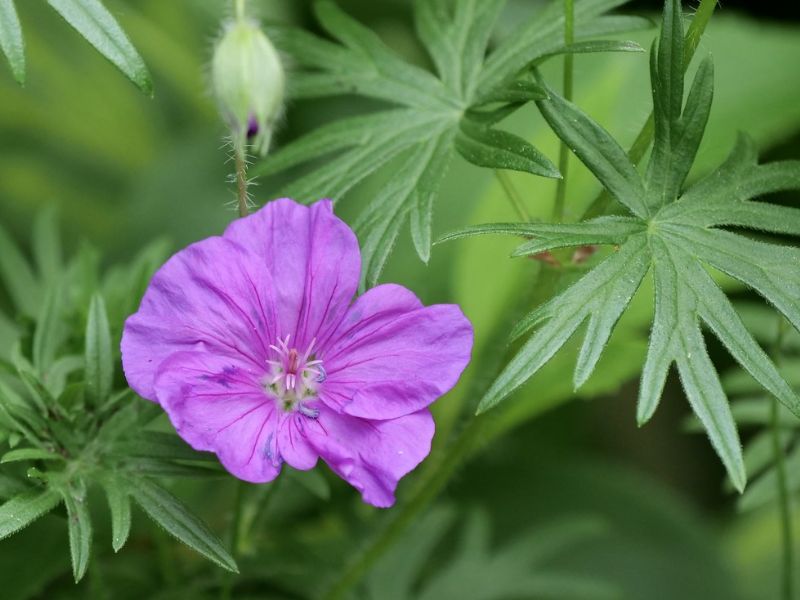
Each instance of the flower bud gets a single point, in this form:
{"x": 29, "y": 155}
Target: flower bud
{"x": 248, "y": 82}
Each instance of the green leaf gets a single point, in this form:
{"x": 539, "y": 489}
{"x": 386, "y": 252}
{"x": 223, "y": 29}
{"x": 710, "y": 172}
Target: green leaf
{"x": 171, "y": 514}
{"x": 49, "y": 332}
{"x": 456, "y": 34}
{"x": 410, "y": 190}
{"x": 157, "y": 444}
{"x": 11, "y": 41}
{"x": 119, "y": 504}
{"x": 604, "y": 157}
{"x": 417, "y": 138}
{"x": 547, "y": 236}
{"x": 675, "y": 236}
{"x": 24, "y": 509}
{"x": 601, "y": 296}
{"x": 79, "y": 525}
{"x": 29, "y": 454}
{"x": 498, "y": 149}
{"x": 98, "y": 359}
{"x": 98, "y": 26}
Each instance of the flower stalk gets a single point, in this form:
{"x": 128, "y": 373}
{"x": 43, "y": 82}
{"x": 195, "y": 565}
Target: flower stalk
{"x": 563, "y": 153}
{"x": 784, "y": 502}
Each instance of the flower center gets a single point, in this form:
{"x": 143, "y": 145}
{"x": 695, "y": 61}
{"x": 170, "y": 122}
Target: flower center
{"x": 294, "y": 378}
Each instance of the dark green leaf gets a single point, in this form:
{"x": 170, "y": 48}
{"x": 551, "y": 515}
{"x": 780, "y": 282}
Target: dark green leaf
{"x": 22, "y": 510}
{"x": 157, "y": 444}
{"x": 498, "y": 149}
{"x": 80, "y": 530}
{"x": 98, "y": 359}
{"x": 11, "y": 39}
{"x": 601, "y": 296}
{"x": 93, "y": 21}
{"x": 29, "y": 454}
{"x": 171, "y": 514}
{"x": 50, "y": 329}
{"x": 597, "y": 150}
{"x": 119, "y": 504}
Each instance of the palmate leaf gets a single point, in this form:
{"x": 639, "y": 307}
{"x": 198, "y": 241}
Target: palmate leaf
{"x": 432, "y": 115}
{"x": 675, "y": 235}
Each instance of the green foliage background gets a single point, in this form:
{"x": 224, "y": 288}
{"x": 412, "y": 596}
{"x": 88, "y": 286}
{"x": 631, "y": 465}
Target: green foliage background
{"x": 634, "y": 513}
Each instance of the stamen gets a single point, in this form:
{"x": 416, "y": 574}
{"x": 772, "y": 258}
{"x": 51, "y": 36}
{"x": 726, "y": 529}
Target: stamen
{"x": 308, "y": 411}
{"x": 294, "y": 377}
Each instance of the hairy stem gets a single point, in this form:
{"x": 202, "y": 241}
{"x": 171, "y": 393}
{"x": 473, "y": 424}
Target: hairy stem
{"x": 241, "y": 180}
{"x": 563, "y": 153}
{"x": 513, "y": 195}
{"x": 784, "y": 503}
{"x": 638, "y": 149}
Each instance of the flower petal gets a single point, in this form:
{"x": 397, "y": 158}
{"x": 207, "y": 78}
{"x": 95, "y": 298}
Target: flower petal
{"x": 391, "y": 356}
{"x": 314, "y": 260}
{"x": 216, "y": 403}
{"x": 214, "y": 295}
{"x": 293, "y": 443}
{"x": 372, "y": 456}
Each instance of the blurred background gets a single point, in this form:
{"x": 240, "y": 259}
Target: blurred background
{"x": 634, "y": 513}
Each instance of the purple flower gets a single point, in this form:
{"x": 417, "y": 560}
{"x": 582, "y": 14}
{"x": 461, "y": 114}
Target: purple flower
{"x": 253, "y": 345}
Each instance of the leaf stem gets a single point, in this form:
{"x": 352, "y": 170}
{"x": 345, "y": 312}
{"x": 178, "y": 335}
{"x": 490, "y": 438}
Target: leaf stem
{"x": 787, "y": 574}
{"x": 563, "y": 154}
{"x": 241, "y": 179}
{"x": 513, "y": 195}
{"x": 602, "y": 202}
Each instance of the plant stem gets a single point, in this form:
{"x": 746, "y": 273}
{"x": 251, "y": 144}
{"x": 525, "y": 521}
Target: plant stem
{"x": 428, "y": 487}
{"x": 239, "y": 8}
{"x": 233, "y": 537}
{"x": 563, "y": 154}
{"x": 241, "y": 180}
{"x": 513, "y": 195}
{"x": 602, "y": 202}
{"x": 787, "y": 579}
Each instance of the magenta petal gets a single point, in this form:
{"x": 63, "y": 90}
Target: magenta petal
{"x": 314, "y": 259}
{"x": 216, "y": 403}
{"x": 373, "y": 456}
{"x": 293, "y": 441}
{"x": 213, "y": 296}
{"x": 391, "y": 356}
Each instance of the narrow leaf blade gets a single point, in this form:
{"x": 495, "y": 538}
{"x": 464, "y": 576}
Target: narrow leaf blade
{"x": 98, "y": 359}
{"x": 11, "y": 41}
{"x": 22, "y": 510}
{"x": 171, "y": 514}
{"x": 98, "y": 26}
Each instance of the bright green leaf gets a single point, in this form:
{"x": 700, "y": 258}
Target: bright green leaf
{"x": 99, "y": 27}
{"x": 11, "y": 41}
